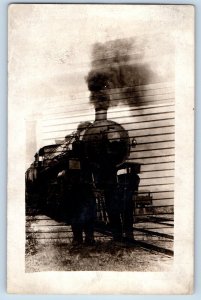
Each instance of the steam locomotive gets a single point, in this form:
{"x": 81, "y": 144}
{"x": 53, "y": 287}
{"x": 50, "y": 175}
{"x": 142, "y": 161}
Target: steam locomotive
{"x": 93, "y": 160}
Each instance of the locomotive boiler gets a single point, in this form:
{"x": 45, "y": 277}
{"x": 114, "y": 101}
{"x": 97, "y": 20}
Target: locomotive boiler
{"x": 94, "y": 160}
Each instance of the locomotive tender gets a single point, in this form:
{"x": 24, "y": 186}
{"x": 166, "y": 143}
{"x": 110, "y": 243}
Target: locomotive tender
{"x": 94, "y": 160}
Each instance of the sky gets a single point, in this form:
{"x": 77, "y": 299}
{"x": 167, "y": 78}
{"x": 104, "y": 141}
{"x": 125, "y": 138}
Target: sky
{"x": 49, "y": 46}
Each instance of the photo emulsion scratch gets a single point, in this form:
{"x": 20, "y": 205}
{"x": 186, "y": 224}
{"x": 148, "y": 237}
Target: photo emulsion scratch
{"x": 97, "y": 89}
{"x": 99, "y": 193}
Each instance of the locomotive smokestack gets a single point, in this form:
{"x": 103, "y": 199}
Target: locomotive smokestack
{"x": 101, "y": 114}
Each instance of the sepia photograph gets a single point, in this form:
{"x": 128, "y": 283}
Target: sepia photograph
{"x": 100, "y": 172}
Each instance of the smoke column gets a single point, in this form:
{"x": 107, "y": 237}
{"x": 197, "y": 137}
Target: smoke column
{"x": 115, "y": 74}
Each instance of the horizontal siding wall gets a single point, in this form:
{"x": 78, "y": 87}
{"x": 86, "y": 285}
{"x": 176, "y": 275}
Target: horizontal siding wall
{"x": 151, "y": 123}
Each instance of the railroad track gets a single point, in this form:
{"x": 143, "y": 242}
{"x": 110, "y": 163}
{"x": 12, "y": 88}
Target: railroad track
{"x": 149, "y": 244}
{"x": 150, "y": 235}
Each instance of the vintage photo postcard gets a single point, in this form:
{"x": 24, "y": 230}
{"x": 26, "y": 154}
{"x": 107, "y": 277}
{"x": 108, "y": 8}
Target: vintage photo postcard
{"x": 100, "y": 149}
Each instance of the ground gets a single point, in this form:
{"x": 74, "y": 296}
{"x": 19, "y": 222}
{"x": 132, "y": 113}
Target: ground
{"x": 104, "y": 256}
{"x": 49, "y": 248}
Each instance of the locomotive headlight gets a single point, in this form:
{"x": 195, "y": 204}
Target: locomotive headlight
{"x": 133, "y": 143}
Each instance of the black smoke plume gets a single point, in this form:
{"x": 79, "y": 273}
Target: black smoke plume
{"x": 117, "y": 73}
